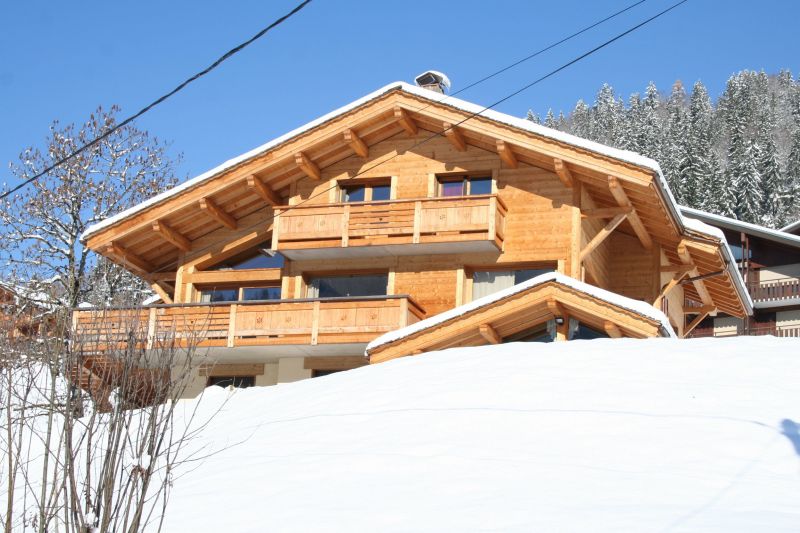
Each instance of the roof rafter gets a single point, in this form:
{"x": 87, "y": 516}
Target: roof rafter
{"x": 405, "y": 120}
{"x": 563, "y": 172}
{"x": 490, "y": 334}
{"x": 308, "y": 166}
{"x": 454, "y": 135}
{"x": 171, "y": 235}
{"x": 214, "y": 211}
{"x": 356, "y": 143}
{"x": 507, "y": 154}
{"x": 262, "y": 190}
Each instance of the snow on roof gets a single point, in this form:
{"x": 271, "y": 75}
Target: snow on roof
{"x": 637, "y": 306}
{"x": 789, "y": 228}
{"x": 747, "y": 227}
{"x": 521, "y": 123}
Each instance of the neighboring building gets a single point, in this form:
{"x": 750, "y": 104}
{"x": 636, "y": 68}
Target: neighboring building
{"x": 793, "y": 228}
{"x": 287, "y": 261}
{"x": 769, "y": 262}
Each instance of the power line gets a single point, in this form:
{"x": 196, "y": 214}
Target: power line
{"x": 150, "y": 106}
{"x": 471, "y": 115}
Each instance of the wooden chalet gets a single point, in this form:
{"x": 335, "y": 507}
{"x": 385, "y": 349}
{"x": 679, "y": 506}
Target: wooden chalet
{"x": 769, "y": 263}
{"x": 285, "y": 262}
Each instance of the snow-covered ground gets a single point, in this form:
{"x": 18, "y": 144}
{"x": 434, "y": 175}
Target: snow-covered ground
{"x": 606, "y": 435}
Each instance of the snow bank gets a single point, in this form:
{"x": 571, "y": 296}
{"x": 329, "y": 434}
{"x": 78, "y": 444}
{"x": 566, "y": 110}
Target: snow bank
{"x": 604, "y": 435}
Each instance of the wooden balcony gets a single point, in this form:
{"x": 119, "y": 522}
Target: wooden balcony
{"x": 266, "y": 323}
{"x": 393, "y": 227}
{"x": 774, "y": 330}
{"x": 775, "y": 290}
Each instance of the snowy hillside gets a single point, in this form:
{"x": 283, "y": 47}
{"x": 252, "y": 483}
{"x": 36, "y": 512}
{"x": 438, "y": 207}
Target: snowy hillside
{"x": 605, "y": 435}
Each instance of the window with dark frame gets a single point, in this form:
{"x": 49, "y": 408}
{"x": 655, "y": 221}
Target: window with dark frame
{"x": 237, "y": 382}
{"x": 348, "y": 285}
{"x": 464, "y": 185}
{"x": 365, "y": 191}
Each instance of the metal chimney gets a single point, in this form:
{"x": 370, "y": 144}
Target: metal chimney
{"x": 433, "y": 80}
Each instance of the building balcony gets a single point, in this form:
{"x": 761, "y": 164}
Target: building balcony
{"x": 775, "y": 291}
{"x": 774, "y": 330}
{"x": 465, "y": 224}
{"x": 319, "y": 326}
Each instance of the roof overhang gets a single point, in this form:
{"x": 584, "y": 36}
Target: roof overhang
{"x": 521, "y": 307}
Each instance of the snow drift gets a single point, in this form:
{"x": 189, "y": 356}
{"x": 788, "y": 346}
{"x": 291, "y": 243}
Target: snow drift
{"x": 603, "y": 435}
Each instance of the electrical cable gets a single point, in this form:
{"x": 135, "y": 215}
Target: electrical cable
{"x": 150, "y": 106}
{"x": 470, "y": 116}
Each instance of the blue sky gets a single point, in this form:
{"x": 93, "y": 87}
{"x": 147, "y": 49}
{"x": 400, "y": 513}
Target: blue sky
{"x": 59, "y": 60}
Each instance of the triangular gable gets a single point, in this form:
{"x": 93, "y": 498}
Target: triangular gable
{"x": 502, "y": 314}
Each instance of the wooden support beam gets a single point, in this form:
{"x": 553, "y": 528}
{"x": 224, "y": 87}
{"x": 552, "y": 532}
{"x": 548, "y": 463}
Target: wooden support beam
{"x": 707, "y": 309}
{"x": 612, "y": 330}
{"x": 405, "y": 120}
{"x": 129, "y": 258}
{"x": 606, "y": 212}
{"x": 676, "y": 279}
{"x": 602, "y": 235}
{"x": 171, "y": 235}
{"x": 162, "y": 292}
{"x": 262, "y": 190}
{"x": 555, "y": 308}
{"x": 507, "y": 154}
{"x": 356, "y": 143}
{"x": 619, "y": 195}
{"x": 694, "y": 323}
{"x": 699, "y": 285}
{"x": 678, "y": 269}
{"x": 216, "y": 212}
{"x": 489, "y": 333}
{"x": 563, "y": 173}
{"x": 308, "y": 166}
{"x": 454, "y": 135}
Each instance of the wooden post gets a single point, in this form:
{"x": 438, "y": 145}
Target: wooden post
{"x": 417, "y": 221}
{"x": 492, "y": 217}
{"x": 346, "y": 226}
{"x": 403, "y": 312}
{"x": 315, "y": 323}
{"x": 276, "y": 222}
{"x": 151, "y": 328}
{"x": 232, "y": 326}
{"x": 577, "y": 232}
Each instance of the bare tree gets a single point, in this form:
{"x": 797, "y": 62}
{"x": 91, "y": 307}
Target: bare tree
{"x": 44, "y": 222}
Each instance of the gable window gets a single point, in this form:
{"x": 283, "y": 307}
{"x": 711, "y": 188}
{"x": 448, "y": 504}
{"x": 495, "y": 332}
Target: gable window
{"x": 261, "y": 293}
{"x": 344, "y": 286}
{"x": 578, "y": 330}
{"x": 253, "y": 259}
{"x": 219, "y": 295}
{"x": 365, "y": 191}
{"x": 237, "y": 382}
{"x": 464, "y": 185}
{"x": 545, "y": 332}
{"x": 485, "y": 282}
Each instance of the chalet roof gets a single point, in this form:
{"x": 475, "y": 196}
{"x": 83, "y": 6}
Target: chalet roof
{"x": 644, "y": 310}
{"x": 517, "y": 122}
{"x": 780, "y": 236}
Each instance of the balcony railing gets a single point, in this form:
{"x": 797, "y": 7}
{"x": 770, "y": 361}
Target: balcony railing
{"x": 776, "y": 331}
{"x": 252, "y": 323}
{"x": 783, "y": 289}
{"x": 445, "y": 223}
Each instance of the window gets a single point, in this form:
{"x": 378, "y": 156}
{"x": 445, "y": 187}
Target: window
{"x": 320, "y": 373}
{"x": 237, "y": 382}
{"x": 542, "y": 333}
{"x": 464, "y": 185}
{"x": 219, "y": 295}
{"x": 485, "y": 282}
{"x": 371, "y": 191}
{"x": 261, "y": 293}
{"x": 259, "y": 258}
{"x": 579, "y": 330}
{"x": 342, "y": 286}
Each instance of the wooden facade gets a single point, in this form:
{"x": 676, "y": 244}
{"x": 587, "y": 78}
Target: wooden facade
{"x": 529, "y": 201}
